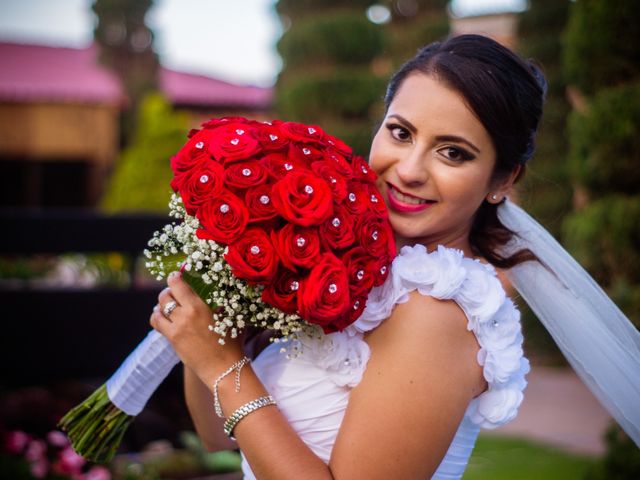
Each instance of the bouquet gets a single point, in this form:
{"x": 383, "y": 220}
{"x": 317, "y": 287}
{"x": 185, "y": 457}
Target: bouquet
{"x": 278, "y": 225}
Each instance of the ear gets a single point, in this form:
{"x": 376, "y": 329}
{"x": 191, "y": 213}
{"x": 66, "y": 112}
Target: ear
{"x": 501, "y": 188}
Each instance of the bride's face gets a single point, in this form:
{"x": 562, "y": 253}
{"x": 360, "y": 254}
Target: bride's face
{"x": 434, "y": 160}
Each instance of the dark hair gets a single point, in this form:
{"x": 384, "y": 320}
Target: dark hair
{"x": 506, "y": 93}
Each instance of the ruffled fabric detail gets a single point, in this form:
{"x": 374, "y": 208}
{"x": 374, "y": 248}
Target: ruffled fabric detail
{"x": 446, "y": 274}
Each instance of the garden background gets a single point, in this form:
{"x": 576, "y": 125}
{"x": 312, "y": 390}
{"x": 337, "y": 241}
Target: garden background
{"x": 73, "y": 165}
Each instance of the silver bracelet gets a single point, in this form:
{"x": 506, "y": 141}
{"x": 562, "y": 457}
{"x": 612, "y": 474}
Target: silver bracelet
{"x": 237, "y": 366}
{"x": 245, "y": 410}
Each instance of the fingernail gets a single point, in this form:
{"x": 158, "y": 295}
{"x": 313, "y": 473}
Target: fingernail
{"x": 173, "y": 274}
{"x": 155, "y": 308}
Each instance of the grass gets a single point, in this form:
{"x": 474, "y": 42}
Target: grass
{"x": 501, "y": 458}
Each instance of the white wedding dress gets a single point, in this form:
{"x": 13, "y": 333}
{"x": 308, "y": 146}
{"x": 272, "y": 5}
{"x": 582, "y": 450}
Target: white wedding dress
{"x": 312, "y": 388}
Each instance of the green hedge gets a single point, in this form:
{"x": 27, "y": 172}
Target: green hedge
{"x": 602, "y": 41}
{"x": 345, "y": 94}
{"x": 604, "y": 238}
{"x": 605, "y": 145}
{"x": 141, "y": 178}
{"x": 344, "y": 38}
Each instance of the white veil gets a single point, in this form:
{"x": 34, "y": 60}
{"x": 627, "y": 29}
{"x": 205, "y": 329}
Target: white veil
{"x": 598, "y": 340}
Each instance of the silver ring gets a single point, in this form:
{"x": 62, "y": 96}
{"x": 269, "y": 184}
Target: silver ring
{"x": 169, "y": 307}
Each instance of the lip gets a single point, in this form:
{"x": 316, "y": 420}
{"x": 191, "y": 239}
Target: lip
{"x": 402, "y": 207}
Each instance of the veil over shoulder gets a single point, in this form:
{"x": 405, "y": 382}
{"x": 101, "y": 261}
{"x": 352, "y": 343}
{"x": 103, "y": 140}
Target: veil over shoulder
{"x": 598, "y": 340}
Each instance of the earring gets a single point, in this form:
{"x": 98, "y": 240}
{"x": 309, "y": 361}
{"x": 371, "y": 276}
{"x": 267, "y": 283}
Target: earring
{"x": 494, "y": 197}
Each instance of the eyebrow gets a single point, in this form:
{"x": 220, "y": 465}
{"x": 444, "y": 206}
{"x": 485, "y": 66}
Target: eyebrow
{"x": 440, "y": 138}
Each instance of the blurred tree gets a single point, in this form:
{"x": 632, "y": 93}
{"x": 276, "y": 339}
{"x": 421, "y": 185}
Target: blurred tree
{"x": 141, "y": 179}
{"x": 328, "y": 51}
{"x": 544, "y": 190}
{"x": 602, "y": 63}
{"x": 126, "y": 47}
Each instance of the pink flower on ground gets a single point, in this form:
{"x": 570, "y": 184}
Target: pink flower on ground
{"x": 15, "y": 442}
{"x": 97, "y": 473}
{"x": 36, "y": 451}
{"x": 39, "y": 468}
{"x": 57, "y": 439}
{"x": 69, "y": 462}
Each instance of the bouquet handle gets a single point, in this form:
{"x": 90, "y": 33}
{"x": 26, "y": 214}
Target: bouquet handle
{"x": 131, "y": 386}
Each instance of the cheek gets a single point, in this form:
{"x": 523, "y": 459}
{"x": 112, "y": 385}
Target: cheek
{"x": 377, "y": 158}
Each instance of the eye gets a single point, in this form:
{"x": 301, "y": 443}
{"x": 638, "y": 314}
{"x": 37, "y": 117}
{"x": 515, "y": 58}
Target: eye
{"x": 456, "y": 154}
{"x": 398, "y": 132}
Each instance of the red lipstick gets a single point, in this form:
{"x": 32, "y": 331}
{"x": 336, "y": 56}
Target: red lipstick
{"x": 403, "y": 207}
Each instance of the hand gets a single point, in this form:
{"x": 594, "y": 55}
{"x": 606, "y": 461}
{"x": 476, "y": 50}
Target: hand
{"x": 187, "y": 328}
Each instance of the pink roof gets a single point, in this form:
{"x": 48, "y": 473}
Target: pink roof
{"x": 37, "y": 73}
{"x": 188, "y": 89}
{"x": 41, "y": 73}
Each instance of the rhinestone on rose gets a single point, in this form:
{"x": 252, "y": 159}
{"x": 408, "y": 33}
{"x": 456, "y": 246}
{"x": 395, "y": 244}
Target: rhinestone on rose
{"x": 273, "y": 137}
{"x": 333, "y": 288}
{"x": 360, "y": 274}
{"x": 374, "y": 235}
{"x": 364, "y": 169}
{"x": 311, "y": 130}
{"x": 333, "y": 180}
{"x": 374, "y": 199}
{"x": 204, "y": 178}
{"x": 308, "y": 189}
{"x": 294, "y": 286}
{"x": 264, "y": 199}
{"x": 356, "y": 305}
{"x": 352, "y": 197}
{"x": 255, "y": 249}
{"x": 335, "y": 222}
{"x": 288, "y": 166}
{"x": 224, "y": 208}
{"x": 239, "y": 131}
{"x": 246, "y": 172}
{"x": 383, "y": 269}
{"x": 306, "y": 151}
{"x": 300, "y": 241}
{"x": 200, "y": 145}
{"x": 235, "y": 141}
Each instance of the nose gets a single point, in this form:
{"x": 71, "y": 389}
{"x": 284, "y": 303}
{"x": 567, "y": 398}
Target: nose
{"x": 412, "y": 168}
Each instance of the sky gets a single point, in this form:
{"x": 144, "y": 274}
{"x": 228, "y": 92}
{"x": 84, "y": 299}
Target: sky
{"x": 233, "y": 40}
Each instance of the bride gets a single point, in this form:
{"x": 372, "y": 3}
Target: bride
{"x": 437, "y": 354}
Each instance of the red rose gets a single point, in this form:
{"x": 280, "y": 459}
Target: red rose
{"x": 280, "y": 165}
{"x": 199, "y": 184}
{"x": 271, "y": 138}
{"x": 252, "y": 257}
{"x": 338, "y": 230}
{"x": 375, "y": 235}
{"x": 303, "y": 198}
{"x": 324, "y": 296}
{"x": 282, "y": 293}
{"x": 192, "y": 154}
{"x": 335, "y": 180}
{"x": 245, "y": 174}
{"x": 231, "y": 142}
{"x": 362, "y": 171}
{"x": 381, "y": 269}
{"x": 304, "y": 153}
{"x": 376, "y": 202}
{"x": 223, "y": 218}
{"x": 339, "y": 162}
{"x": 302, "y": 133}
{"x": 357, "y": 201}
{"x": 297, "y": 246}
{"x": 339, "y": 145}
{"x": 216, "y": 122}
{"x": 361, "y": 268}
{"x": 259, "y": 204}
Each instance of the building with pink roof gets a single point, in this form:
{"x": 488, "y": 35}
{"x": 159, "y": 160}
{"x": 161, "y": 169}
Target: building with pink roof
{"x": 60, "y": 116}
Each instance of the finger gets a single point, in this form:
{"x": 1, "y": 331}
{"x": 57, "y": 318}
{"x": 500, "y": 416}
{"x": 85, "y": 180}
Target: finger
{"x": 164, "y": 297}
{"x": 180, "y": 290}
{"x": 158, "y": 321}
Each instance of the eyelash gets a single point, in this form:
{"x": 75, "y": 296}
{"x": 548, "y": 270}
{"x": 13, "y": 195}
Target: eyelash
{"x": 464, "y": 154}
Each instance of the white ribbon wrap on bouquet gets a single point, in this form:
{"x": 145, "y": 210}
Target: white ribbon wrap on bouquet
{"x": 141, "y": 373}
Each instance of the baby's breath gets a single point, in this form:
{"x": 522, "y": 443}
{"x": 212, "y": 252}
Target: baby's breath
{"x": 235, "y": 303}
